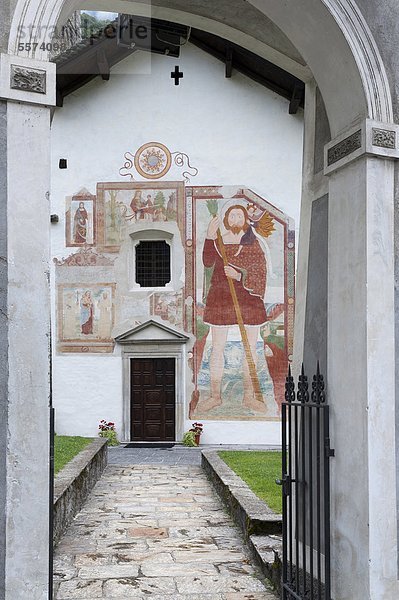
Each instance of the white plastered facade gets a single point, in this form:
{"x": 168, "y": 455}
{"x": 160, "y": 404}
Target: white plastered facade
{"x": 262, "y": 151}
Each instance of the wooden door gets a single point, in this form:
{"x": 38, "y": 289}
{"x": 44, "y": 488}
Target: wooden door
{"x": 152, "y": 394}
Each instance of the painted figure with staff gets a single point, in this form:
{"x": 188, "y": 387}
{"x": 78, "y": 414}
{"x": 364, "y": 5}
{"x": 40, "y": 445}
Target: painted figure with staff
{"x": 235, "y": 296}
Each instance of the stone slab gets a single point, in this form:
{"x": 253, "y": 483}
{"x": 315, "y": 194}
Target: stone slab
{"x": 267, "y": 551}
{"x": 99, "y": 558}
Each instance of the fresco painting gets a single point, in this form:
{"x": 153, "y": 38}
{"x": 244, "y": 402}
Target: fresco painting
{"x": 168, "y": 307}
{"x": 126, "y": 203}
{"x": 241, "y": 272}
{"x": 237, "y": 298}
{"x": 85, "y": 315}
{"x": 80, "y": 220}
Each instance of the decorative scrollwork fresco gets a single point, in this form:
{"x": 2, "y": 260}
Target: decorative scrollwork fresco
{"x": 183, "y": 160}
{"x": 154, "y": 160}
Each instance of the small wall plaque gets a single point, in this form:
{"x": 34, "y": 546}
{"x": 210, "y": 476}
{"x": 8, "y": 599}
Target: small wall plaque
{"x": 28, "y": 80}
{"x": 344, "y": 148}
{"x": 384, "y": 138}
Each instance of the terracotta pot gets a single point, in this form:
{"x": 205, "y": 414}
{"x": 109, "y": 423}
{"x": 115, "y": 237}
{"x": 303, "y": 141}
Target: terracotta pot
{"x": 197, "y": 438}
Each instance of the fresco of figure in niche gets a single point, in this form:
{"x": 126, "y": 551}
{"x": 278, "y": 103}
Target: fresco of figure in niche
{"x": 124, "y": 204}
{"x": 80, "y": 224}
{"x": 241, "y": 297}
{"x": 86, "y": 312}
{"x": 80, "y": 220}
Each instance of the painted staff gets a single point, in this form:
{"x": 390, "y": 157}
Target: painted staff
{"x": 213, "y": 209}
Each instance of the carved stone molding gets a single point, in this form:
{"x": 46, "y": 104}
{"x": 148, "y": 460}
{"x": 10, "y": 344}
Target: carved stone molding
{"x": 370, "y": 137}
{"x": 28, "y": 80}
{"x": 384, "y": 138}
{"x": 344, "y": 148}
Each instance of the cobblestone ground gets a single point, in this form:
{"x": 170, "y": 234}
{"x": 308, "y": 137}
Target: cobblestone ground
{"x": 155, "y": 531}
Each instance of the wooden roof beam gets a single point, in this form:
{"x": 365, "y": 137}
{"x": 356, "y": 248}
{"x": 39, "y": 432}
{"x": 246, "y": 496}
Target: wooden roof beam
{"x": 103, "y": 65}
{"x": 296, "y": 99}
{"x": 229, "y": 61}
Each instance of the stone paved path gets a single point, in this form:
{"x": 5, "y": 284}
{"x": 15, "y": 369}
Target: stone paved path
{"x": 178, "y": 455}
{"x": 155, "y": 531}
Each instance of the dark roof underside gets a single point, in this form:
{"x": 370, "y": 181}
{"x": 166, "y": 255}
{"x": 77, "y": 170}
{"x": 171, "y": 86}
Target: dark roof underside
{"x": 94, "y": 57}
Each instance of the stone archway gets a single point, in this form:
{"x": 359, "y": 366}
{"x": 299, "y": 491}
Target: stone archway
{"x": 359, "y": 190}
{"x": 334, "y": 25}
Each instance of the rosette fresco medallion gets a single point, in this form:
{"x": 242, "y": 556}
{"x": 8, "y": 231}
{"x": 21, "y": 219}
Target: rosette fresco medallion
{"x": 153, "y": 160}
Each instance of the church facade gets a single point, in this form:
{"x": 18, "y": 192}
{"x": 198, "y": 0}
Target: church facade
{"x": 186, "y": 253}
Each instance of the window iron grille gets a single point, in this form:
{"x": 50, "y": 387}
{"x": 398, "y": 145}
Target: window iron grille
{"x": 153, "y": 263}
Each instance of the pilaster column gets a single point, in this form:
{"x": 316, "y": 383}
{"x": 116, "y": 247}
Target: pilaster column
{"x": 27, "y": 90}
{"x": 361, "y": 361}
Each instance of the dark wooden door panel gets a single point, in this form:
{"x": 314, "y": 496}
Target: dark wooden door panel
{"x": 153, "y": 399}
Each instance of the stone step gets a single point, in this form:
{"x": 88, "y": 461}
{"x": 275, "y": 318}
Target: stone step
{"x": 267, "y": 551}
{"x": 151, "y": 444}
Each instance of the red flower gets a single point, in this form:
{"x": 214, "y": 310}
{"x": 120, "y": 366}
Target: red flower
{"x": 104, "y": 426}
{"x": 197, "y": 428}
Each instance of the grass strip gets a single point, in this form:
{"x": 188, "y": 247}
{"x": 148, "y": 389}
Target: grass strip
{"x": 66, "y": 448}
{"x": 259, "y": 470}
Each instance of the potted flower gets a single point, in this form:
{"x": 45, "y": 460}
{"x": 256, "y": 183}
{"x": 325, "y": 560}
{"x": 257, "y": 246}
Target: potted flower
{"x": 193, "y": 435}
{"x": 189, "y": 439}
{"x": 197, "y": 429}
{"x": 107, "y": 430}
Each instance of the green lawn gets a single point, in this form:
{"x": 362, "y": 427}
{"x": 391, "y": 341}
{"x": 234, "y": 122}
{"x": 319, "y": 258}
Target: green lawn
{"x": 259, "y": 470}
{"x": 65, "y": 448}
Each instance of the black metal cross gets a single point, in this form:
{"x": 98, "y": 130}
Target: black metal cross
{"x": 177, "y": 75}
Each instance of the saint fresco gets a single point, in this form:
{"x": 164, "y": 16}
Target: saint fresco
{"x": 241, "y": 274}
{"x": 169, "y": 307}
{"x": 86, "y": 313}
{"x": 80, "y": 220}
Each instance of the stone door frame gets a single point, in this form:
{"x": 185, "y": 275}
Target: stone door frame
{"x": 153, "y": 339}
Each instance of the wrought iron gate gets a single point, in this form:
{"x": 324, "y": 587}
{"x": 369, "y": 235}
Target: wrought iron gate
{"x": 306, "y": 490}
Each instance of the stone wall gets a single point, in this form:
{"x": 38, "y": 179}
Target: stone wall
{"x": 74, "y": 483}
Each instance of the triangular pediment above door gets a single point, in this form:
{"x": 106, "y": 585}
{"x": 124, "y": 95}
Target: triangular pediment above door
{"x": 152, "y": 332}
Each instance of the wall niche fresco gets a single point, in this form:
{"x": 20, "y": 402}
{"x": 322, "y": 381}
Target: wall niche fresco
{"x": 80, "y": 220}
{"x": 85, "y": 317}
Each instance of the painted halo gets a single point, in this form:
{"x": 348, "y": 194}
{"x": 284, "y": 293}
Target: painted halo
{"x": 153, "y": 160}
{"x": 229, "y": 202}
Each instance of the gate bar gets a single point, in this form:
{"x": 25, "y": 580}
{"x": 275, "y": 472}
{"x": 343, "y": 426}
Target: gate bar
{"x": 306, "y": 449}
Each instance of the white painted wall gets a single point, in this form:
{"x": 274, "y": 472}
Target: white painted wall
{"x": 86, "y": 389}
{"x": 235, "y": 132}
